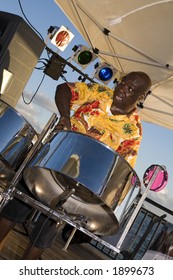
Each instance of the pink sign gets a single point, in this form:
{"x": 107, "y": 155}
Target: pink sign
{"x": 160, "y": 180}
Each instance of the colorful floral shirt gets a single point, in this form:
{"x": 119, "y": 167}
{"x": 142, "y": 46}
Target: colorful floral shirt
{"x": 92, "y": 116}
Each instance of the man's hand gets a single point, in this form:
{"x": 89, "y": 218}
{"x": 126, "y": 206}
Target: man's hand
{"x": 63, "y": 124}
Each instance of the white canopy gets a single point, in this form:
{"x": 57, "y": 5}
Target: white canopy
{"x": 132, "y": 36}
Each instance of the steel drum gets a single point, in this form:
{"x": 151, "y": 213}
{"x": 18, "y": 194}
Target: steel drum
{"x": 16, "y": 136}
{"x": 99, "y": 176}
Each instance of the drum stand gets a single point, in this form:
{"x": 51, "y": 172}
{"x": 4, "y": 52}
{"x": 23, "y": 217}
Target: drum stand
{"x": 56, "y": 212}
{"x": 60, "y": 217}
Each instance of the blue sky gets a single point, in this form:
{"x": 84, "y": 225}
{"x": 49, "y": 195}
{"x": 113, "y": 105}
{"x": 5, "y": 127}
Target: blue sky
{"x": 156, "y": 147}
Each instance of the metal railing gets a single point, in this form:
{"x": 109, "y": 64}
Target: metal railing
{"x": 143, "y": 232}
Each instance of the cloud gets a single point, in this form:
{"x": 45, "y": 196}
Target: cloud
{"x": 163, "y": 198}
{"x": 31, "y": 114}
{"x": 38, "y": 112}
{"x": 42, "y": 100}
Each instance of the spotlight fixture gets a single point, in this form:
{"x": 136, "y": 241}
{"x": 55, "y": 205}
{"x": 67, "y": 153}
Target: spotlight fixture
{"x": 60, "y": 37}
{"x": 104, "y": 72}
{"x": 83, "y": 55}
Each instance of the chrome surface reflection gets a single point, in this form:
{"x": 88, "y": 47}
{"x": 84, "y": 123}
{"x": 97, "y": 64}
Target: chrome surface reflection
{"x": 16, "y": 135}
{"x": 100, "y": 177}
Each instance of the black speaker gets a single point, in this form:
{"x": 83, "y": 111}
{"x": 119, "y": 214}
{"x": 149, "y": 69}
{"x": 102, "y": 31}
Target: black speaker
{"x": 20, "y": 48}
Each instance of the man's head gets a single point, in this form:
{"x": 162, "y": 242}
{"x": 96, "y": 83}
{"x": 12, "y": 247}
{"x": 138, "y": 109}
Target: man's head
{"x": 133, "y": 87}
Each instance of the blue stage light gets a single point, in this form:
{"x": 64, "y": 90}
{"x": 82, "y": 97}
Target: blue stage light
{"x": 104, "y": 72}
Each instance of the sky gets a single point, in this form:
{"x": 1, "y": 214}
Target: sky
{"x": 156, "y": 146}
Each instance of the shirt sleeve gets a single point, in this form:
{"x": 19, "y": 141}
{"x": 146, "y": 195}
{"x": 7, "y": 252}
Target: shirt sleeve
{"x": 80, "y": 94}
{"x": 129, "y": 147}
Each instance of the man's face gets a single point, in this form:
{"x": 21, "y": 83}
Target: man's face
{"x": 128, "y": 91}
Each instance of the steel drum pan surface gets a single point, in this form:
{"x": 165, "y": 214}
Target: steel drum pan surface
{"x": 16, "y": 136}
{"x": 100, "y": 177}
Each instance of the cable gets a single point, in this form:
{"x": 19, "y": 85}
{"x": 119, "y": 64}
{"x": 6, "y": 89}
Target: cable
{"x": 64, "y": 79}
{"x": 34, "y": 93}
{"x": 29, "y": 21}
{"x": 40, "y": 60}
{"x": 31, "y": 25}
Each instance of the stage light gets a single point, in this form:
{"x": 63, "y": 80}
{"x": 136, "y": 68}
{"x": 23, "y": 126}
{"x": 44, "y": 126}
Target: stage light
{"x": 104, "y": 72}
{"x": 83, "y": 55}
{"x": 60, "y": 37}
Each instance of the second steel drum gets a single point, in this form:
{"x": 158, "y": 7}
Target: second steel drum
{"x": 16, "y": 136}
{"x": 99, "y": 176}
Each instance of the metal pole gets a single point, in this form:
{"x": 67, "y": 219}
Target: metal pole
{"x": 69, "y": 239}
{"x": 127, "y": 203}
{"x": 135, "y": 212}
{"x": 135, "y": 60}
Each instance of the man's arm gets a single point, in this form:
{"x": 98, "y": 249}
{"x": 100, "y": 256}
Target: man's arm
{"x": 62, "y": 100}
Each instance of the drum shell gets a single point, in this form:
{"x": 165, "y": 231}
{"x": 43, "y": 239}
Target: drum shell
{"x": 16, "y": 136}
{"x": 99, "y": 175}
